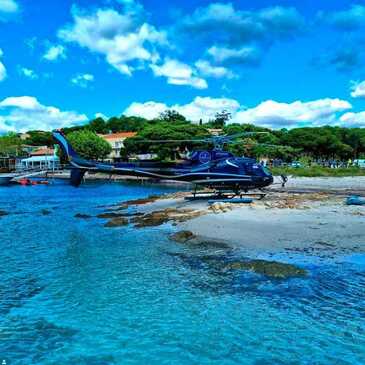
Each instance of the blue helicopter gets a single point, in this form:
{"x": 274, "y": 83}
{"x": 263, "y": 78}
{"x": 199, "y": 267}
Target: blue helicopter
{"x": 215, "y": 169}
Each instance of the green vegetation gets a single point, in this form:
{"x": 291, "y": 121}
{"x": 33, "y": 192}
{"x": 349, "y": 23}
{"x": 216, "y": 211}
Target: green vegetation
{"x": 311, "y": 146}
{"x": 10, "y": 145}
{"x": 318, "y": 171}
{"x": 89, "y": 145}
{"x": 166, "y": 130}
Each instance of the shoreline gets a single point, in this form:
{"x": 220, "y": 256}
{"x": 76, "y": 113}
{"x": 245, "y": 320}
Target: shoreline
{"x": 316, "y": 222}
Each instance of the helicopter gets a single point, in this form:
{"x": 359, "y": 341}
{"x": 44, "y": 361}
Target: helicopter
{"x": 215, "y": 169}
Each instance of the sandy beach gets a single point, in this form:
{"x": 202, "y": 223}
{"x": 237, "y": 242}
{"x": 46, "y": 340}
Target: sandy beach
{"x": 317, "y": 221}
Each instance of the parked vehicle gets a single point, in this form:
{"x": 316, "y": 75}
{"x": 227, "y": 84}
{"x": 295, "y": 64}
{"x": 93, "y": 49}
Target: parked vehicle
{"x": 296, "y": 164}
{"x": 360, "y": 163}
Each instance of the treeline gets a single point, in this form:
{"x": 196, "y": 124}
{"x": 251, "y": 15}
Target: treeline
{"x": 312, "y": 142}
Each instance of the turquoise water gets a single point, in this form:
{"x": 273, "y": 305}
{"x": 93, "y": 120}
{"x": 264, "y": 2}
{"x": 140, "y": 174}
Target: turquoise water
{"x": 74, "y": 292}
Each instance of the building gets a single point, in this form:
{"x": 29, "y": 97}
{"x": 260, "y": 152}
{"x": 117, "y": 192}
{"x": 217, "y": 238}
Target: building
{"x": 40, "y": 158}
{"x": 215, "y": 131}
{"x": 116, "y": 140}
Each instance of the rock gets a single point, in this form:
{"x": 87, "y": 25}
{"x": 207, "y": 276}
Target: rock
{"x": 149, "y": 199}
{"x": 151, "y": 219}
{"x": 82, "y": 216}
{"x": 277, "y": 270}
{"x": 220, "y": 207}
{"x": 3, "y": 213}
{"x": 182, "y": 236}
{"x": 116, "y": 222}
{"x": 109, "y": 215}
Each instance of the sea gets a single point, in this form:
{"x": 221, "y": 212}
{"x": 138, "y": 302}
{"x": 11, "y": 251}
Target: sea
{"x": 75, "y": 292}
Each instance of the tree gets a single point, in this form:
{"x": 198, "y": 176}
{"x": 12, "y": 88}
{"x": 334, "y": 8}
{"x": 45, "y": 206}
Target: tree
{"x": 39, "y": 138}
{"x": 164, "y": 130}
{"x": 172, "y": 116}
{"x": 89, "y": 145}
{"x": 221, "y": 119}
{"x": 126, "y": 124}
{"x": 10, "y": 145}
{"x": 98, "y": 125}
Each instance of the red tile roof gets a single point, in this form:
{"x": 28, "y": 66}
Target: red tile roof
{"x": 118, "y": 135}
{"x": 43, "y": 152}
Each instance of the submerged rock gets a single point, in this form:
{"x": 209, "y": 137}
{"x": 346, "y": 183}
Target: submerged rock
{"x": 272, "y": 269}
{"x": 159, "y": 217}
{"x": 3, "y": 213}
{"x": 182, "y": 236}
{"x": 46, "y": 212}
{"x": 109, "y": 215}
{"x": 142, "y": 201}
{"x": 116, "y": 222}
{"x": 82, "y": 216}
{"x": 191, "y": 240}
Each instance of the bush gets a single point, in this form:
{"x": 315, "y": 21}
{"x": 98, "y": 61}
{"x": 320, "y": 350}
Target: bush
{"x": 89, "y": 145}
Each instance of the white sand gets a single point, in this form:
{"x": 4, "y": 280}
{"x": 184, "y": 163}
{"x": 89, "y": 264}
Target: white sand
{"x": 316, "y": 224}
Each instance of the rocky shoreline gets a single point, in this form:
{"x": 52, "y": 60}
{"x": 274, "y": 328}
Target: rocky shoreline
{"x": 314, "y": 223}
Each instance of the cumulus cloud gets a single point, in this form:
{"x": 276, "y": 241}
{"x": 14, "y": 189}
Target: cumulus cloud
{"x": 229, "y": 56}
{"x": 54, "y": 53}
{"x": 2, "y": 68}
{"x": 27, "y": 72}
{"x": 358, "y": 89}
{"x": 287, "y": 115}
{"x": 82, "y": 80}
{"x": 347, "y": 20}
{"x": 20, "y": 114}
{"x": 204, "y": 108}
{"x": 237, "y": 26}
{"x": 178, "y": 73}
{"x": 121, "y": 37}
{"x": 8, "y": 6}
{"x": 353, "y": 119}
{"x": 205, "y": 68}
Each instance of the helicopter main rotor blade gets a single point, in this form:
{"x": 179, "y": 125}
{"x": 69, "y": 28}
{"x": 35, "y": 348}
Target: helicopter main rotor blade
{"x": 259, "y": 144}
{"x": 170, "y": 140}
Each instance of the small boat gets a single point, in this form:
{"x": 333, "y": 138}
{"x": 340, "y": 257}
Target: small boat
{"x": 5, "y": 179}
{"x": 28, "y": 182}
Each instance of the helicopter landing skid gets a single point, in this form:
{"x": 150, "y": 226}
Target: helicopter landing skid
{"x": 222, "y": 194}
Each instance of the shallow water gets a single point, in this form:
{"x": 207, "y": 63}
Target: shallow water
{"x": 74, "y": 292}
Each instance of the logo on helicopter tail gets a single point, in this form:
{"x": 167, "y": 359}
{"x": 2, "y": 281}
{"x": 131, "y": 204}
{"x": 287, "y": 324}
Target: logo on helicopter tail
{"x": 204, "y": 157}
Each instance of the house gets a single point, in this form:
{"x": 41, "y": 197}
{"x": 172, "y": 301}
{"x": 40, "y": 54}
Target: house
{"x": 116, "y": 140}
{"x": 40, "y": 158}
{"x": 215, "y": 131}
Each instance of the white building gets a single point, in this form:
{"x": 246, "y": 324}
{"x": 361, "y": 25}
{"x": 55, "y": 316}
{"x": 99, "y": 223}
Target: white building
{"x": 116, "y": 140}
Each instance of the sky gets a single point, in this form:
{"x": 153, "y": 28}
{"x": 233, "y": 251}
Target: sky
{"x": 278, "y": 64}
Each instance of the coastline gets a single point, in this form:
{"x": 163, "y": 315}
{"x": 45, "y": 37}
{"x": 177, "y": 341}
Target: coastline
{"x": 315, "y": 222}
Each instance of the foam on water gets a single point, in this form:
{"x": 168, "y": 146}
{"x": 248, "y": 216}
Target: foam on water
{"x": 74, "y": 292}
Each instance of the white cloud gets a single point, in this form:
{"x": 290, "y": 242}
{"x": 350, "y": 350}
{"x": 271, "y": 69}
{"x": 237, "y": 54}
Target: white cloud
{"x": 286, "y": 115}
{"x": 204, "y": 108}
{"x": 244, "y": 55}
{"x": 101, "y": 115}
{"x": 269, "y": 113}
{"x": 353, "y": 119}
{"x": 82, "y": 80}
{"x": 8, "y": 6}
{"x": 54, "y": 53}
{"x": 121, "y": 38}
{"x": 178, "y": 73}
{"x": 29, "y": 73}
{"x": 148, "y": 110}
{"x": 347, "y": 20}
{"x": 358, "y": 89}
{"x": 206, "y": 69}
{"x": 2, "y": 68}
{"x": 20, "y": 114}
{"x": 223, "y": 21}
